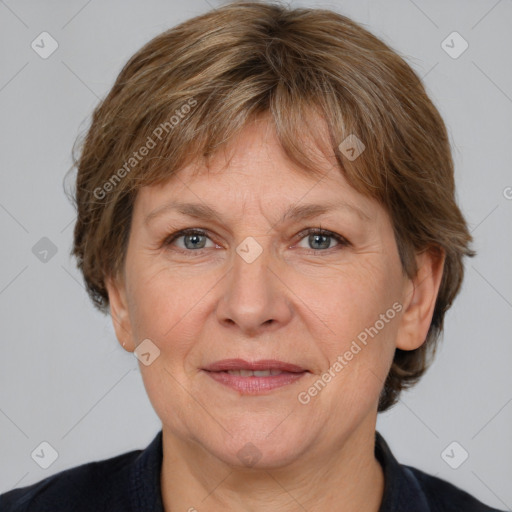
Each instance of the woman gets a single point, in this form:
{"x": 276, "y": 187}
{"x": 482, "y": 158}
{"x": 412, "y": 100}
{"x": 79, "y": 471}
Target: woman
{"x": 266, "y": 207}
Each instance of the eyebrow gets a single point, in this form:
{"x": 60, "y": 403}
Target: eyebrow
{"x": 299, "y": 212}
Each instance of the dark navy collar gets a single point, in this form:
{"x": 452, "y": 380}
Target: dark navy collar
{"x": 401, "y": 488}
{"x": 145, "y": 488}
{"x": 402, "y": 491}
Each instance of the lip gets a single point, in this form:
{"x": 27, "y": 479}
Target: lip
{"x": 261, "y": 364}
{"x": 254, "y": 385}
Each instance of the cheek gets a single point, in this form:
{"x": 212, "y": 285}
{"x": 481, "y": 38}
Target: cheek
{"x": 357, "y": 305}
{"x": 163, "y": 300}
{"x": 358, "y": 308}
{"x": 353, "y": 298}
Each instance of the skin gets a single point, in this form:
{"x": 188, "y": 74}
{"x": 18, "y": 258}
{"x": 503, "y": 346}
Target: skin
{"x": 298, "y": 302}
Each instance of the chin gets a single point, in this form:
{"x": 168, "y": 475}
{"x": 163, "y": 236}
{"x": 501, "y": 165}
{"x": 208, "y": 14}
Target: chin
{"x": 262, "y": 444}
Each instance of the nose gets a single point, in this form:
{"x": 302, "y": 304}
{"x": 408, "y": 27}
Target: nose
{"x": 255, "y": 296}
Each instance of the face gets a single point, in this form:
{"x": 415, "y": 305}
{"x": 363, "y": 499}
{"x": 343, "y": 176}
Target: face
{"x": 250, "y": 283}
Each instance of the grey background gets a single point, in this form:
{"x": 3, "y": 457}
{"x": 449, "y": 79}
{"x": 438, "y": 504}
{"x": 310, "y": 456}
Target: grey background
{"x": 64, "y": 378}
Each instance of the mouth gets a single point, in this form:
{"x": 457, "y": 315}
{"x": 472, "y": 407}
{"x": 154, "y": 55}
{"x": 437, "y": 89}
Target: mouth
{"x": 254, "y": 377}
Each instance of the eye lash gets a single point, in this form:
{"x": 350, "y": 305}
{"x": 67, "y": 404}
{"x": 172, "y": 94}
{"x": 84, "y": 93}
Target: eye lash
{"x": 183, "y": 232}
{"x": 320, "y": 231}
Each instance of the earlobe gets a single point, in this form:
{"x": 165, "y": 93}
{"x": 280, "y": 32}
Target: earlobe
{"x": 420, "y": 299}
{"x": 119, "y": 313}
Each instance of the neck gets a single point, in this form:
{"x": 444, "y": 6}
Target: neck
{"x": 346, "y": 478}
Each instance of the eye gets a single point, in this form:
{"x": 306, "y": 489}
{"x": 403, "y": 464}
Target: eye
{"x": 193, "y": 239}
{"x": 320, "y": 239}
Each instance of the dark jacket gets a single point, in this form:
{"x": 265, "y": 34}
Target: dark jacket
{"x": 131, "y": 483}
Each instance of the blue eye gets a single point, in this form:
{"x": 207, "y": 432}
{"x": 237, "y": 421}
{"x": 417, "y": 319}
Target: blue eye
{"x": 320, "y": 239}
{"x": 194, "y": 240}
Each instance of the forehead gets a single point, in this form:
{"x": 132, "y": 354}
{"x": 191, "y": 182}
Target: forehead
{"x": 254, "y": 173}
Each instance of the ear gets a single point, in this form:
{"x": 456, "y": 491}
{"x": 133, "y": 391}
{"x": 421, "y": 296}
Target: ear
{"x": 419, "y": 299}
{"x": 119, "y": 312}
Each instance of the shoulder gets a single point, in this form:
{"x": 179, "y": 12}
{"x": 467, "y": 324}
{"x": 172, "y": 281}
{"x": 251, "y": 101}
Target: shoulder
{"x": 443, "y": 496}
{"x": 92, "y": 486}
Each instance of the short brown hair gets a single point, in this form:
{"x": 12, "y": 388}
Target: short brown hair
{"x": 199, "y": 83}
